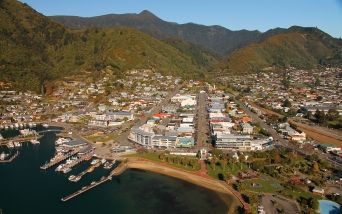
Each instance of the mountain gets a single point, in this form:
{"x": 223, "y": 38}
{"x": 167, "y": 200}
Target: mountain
{"x": 216, "y": 39}
{"x": 35, "y": 49}
{"x": 298, "y": 47}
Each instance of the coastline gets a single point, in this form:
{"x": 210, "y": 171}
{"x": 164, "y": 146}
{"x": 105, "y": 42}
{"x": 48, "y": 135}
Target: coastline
{"x": 221, "y": 188}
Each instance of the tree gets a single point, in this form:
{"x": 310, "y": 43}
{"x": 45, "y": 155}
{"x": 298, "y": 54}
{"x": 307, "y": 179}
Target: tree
{"x": 320, "y": 116}
{"x": 216, "y": 152}
{"x": 287, "y": 103}
{"x": 224, "y": 163}
{"x": 286, "y": 82}
{"x": 315, "y": 167}
{"x": 213, "y": 162}
{"x": 332, "y": 114}
{"x": 229, "y": 176}
{"x": 277, "y": 158}
{"x": 317, "y": 81}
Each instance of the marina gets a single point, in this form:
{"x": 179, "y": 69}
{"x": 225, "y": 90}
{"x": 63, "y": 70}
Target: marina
{"x": 59, "y": 157}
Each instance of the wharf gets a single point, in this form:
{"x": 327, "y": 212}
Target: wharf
{"x": 88, "y": 170}
{"x": 86, "y": 188}
{"x": 52, "y": 163}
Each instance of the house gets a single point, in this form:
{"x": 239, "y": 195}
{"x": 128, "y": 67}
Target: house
{"x": 318, "y": 191}
{"x": 247, "y": 128}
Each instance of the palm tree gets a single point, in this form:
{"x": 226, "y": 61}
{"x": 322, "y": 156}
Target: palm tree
{"x": 224, "y": 163}
{"x": 213, "y": 162}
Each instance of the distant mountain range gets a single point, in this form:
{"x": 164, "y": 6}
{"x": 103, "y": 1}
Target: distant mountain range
{"x": 217, "y": 39}
{"x": 297, "y": 47}
{"x": 34, "y": 49}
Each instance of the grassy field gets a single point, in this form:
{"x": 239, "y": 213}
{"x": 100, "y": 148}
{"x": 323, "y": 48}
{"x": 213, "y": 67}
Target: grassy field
{"x": 154, "y": 156}
{"x": 232, "y": 168}
{"x": 263, "y": 184}
{"x": 101, "y": 137}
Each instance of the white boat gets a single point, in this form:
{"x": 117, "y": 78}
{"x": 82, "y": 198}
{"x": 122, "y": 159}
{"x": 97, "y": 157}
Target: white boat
{"x": 34, "y": 124}
{"x": 95, "y": 161}
{"x": 103, "y": 161}
{"x": 2, "y": 127}
{"x": 21, "y": 125}
{"x": 74, "y": 178}
{"x": 61, "y": 141}
{"x": 1, "y": 137}
{"x": 11, "y": 126}
{"x": 16, "y": 125}
{"x": 34, "y": 141}
{"x": 26, "y": 132}
{"x": 108, "y": 165}
{"x": 3, "y": 156}
{"x": 59, "y": 168}
{"x": 45, "y": 125}
{"x": 66, "y": 170}
{"x": 30, "y": 125}
{"x": 17, "y": 144}
{"x": 10, "y": 145}
{"x": 6, "y": 127}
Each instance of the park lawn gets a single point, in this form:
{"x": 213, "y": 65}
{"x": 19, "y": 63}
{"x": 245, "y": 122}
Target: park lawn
{"x": 297, "y": 193}
{"x": 101, "y": 138}
{"x": 154, "y": 156}
{"x": 265, "y": 184}
{"x": 232, "y": 168}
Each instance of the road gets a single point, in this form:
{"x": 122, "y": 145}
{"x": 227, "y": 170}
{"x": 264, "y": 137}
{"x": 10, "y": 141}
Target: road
{"x": 126, "y": 127}
{"x": 278, "y": 140}
{"x": 202, "y": 128}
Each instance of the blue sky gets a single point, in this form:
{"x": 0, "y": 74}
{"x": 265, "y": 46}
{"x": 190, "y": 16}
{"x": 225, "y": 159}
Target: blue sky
{"x": 235, "y": 15}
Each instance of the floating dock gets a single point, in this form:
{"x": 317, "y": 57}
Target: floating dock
{"x": 86, "y": 188}
{"x": 52, "y": 163}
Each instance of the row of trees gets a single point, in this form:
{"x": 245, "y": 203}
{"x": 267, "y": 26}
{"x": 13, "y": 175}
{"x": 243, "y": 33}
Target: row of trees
{"x": 324, "y": 118}
{"x": 179, "y": 160}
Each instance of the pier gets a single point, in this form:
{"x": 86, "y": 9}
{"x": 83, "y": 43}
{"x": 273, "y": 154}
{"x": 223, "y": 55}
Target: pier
{"x": 54, "y": 162}
{"x": 86, "y": 188}
{"x": 88, "y": 170}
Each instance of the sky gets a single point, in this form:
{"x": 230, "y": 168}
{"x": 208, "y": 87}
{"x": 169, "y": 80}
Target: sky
{"x": 259, "y": 15}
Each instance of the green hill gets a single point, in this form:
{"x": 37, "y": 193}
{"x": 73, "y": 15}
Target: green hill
{"x": 35, "y": 50}
{"x": 298, "y": 47}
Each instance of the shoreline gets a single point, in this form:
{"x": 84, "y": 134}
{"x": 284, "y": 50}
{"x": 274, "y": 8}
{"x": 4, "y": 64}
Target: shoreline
{"x": 221, "y": 188}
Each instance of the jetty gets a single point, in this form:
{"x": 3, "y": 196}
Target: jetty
{"x": 88, "y": 170}
{"x": 86, "y": 188}
{"x": 11, "y": 159}
{"x": 58, "y": 160}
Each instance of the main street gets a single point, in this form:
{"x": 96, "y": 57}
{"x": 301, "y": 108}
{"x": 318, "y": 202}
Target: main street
{"x": 202, "y": 128}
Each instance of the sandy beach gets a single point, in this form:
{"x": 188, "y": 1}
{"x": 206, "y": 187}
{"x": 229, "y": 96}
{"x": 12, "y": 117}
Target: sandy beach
{"x": 227, "y": 195}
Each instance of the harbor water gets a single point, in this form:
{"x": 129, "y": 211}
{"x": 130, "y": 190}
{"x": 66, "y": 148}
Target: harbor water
{"x": 25, "y": 188}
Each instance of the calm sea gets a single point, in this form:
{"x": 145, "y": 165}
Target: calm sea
{"x": 24, "y": 188}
